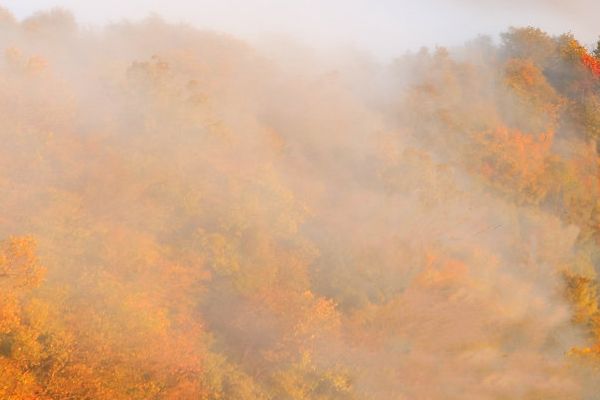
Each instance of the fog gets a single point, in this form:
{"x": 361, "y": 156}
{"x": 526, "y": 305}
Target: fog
{"x": 386, "y": 28}
{"x": 300, "y": 203}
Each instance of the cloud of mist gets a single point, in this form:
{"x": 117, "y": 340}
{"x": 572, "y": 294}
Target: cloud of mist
{"x": 384, "y": 27}
{"x": 286, "y": 210}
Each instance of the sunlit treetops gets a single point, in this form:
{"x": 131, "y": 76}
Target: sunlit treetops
{"x": 184, "y": 216}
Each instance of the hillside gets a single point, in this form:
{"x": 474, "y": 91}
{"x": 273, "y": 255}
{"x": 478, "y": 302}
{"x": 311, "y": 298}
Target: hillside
{"x": 185, "y": 215}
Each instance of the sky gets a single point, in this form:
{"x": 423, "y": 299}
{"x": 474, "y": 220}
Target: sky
{"x": 382, "y": 27}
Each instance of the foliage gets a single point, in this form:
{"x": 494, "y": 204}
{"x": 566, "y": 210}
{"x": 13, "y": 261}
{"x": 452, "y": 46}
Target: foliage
{"x": 215, "y": 224}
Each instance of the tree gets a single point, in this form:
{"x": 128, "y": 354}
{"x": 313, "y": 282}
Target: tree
{"x": 596, "y": 51}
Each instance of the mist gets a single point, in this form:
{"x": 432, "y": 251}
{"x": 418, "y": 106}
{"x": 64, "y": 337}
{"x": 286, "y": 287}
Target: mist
{"x": 385, "y": 28}
{"x": 199, "y": 211}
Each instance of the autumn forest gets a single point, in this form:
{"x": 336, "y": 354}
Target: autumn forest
{"x": 188, "y": 215}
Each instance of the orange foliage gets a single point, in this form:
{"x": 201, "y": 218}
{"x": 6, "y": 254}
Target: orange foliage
{"x": 514, "y": 162}
{"x": 592, "y": 63}
{"x": 215, "y": 230}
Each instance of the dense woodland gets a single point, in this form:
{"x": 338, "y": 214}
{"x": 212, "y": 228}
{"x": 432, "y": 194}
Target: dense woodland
{"x": 187, "y": 216}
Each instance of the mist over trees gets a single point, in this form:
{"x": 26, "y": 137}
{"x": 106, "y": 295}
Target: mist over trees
{"x": 184, "y": 215}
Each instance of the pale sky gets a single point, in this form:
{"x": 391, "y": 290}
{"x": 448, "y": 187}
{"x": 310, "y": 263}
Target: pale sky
{"x": 383, "y": 27}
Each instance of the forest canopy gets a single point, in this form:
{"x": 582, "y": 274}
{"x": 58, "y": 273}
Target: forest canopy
{"x": 186, "y": 215}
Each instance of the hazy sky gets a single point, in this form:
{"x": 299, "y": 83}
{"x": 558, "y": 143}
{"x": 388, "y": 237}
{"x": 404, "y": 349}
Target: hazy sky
{"x": 385, "y": 27}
